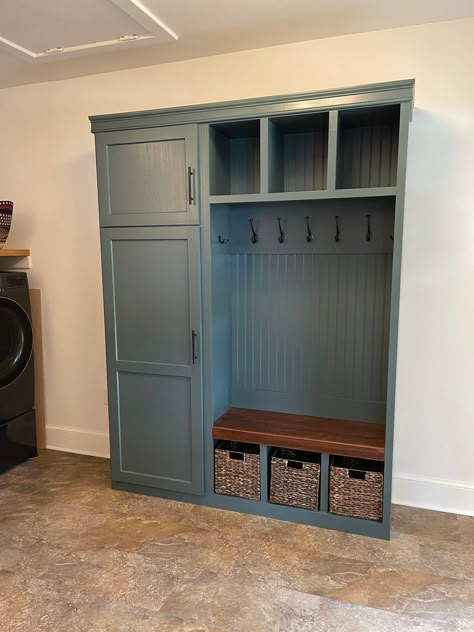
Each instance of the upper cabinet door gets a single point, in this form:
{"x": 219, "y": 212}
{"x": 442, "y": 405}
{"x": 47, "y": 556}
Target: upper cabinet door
{"x": 147, "y": 177}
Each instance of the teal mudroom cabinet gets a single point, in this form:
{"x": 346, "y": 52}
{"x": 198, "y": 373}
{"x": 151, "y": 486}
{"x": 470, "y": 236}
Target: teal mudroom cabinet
{"x": 251, "y": 256}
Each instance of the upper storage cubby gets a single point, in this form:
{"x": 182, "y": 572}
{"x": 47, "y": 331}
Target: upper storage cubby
{"x": 235, "y": 157}
{"x": 368, "y": 147}
{"x": 298, "y": 152}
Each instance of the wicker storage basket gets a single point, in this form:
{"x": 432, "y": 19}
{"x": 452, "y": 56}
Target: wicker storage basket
{"x": 356, "y": 488}
{"x": 6, "y": 211}
{"x": 237, "y": 469}
{"x": 295, "y": 478}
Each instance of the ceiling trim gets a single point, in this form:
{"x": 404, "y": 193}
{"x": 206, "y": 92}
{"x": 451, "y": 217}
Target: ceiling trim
{"x": 17, "y": 47}
{"x": 133, "y": 8}
{"x": 141, "y": 14}
{"x": 50, "y": 52}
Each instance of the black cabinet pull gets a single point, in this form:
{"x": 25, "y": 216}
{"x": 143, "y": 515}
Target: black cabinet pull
{"x": 191, "y": 185}
{"x": 193, "y": 338}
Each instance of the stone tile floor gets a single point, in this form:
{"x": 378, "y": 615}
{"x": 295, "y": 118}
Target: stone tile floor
{"x": 76, "y": 555}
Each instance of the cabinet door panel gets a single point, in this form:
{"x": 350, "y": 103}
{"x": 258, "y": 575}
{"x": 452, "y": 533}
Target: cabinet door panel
{"x": 152, "y": 300}
{"x": 147, "y": 177}
{"x": 152, "y": 306}
{"x": 155, "y": 426}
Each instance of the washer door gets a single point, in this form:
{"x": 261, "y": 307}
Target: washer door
{"x": 16, "y": 341}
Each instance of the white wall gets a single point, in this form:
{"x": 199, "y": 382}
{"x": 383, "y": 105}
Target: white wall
{"x": 47, "y": 167}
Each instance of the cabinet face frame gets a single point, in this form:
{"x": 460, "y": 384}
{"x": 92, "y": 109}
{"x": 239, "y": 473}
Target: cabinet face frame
{"x": 332, "y": 101}
{"x": 178, "y": 205}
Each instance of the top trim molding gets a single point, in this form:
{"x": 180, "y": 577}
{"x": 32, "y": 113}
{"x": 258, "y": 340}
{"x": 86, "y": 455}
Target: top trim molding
{"x": 355, "y": 96}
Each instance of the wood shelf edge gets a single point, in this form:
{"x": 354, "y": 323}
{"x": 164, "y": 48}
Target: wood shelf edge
{"x": 15, "y": 252}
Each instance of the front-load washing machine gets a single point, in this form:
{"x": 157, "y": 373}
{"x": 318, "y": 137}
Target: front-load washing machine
{"x": 17, "y": 380}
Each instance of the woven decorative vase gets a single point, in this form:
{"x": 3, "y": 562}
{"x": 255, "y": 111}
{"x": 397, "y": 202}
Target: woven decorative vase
{"x": 6, "y": 212}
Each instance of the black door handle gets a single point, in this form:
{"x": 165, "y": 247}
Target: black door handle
{"x": 193, "y": 338}
{"x": 191, "y": 186}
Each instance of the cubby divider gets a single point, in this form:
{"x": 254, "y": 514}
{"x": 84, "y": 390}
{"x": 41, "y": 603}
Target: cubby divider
{"x": 333, "y": 125}
{"x": 265, "y": 453}
{"x": 324, "y": 483}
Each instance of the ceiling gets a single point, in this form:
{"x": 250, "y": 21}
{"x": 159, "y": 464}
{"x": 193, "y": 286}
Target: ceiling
{"x": 56, "y": 39}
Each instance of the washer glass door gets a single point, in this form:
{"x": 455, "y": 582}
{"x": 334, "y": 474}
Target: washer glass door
{"x": 16, "y": 341}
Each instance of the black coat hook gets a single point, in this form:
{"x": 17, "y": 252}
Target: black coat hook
{"x": 281, "y": 238}
{"x": 338, "y": 230}
{"x": 222, "y": 241}
{"x": 254, "y": 234}
{"x": 368, "y": 234}
{"x": 309, "y": 236}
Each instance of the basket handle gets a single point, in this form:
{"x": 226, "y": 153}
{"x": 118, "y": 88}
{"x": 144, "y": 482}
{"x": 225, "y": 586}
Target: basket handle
{"x": 357, "y": 474}
{"x": 295, "y": 465}
{"x": 238, "y": 456}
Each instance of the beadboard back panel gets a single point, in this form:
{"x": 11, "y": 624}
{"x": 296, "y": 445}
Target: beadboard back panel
{"x": 310, "y": 333}
{"x": 302, "y": 325}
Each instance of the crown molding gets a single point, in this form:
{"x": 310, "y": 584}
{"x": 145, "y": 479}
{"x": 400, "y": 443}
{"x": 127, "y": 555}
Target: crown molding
{"x": 356, "y": 96}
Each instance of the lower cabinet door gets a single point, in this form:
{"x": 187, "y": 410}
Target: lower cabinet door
{"x": 152, "y": 294}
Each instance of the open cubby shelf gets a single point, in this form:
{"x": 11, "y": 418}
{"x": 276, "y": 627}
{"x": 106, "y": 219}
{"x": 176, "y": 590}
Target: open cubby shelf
{"x": 301, "y": 432}
{"x": 297, "y": 159}
{"x": 368, "y": 147}
{"x": 298, "y": 152}
{"x": 235, "y": 157}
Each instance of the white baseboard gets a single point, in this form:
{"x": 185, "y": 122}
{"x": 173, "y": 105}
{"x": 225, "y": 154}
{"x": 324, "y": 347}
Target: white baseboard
{"x": 408, "y": 489}
{"x": 433, "y": 493}
{"x": 78, "y": 441}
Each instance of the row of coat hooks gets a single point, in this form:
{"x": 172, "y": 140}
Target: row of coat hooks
{"x": 309, "y": 232}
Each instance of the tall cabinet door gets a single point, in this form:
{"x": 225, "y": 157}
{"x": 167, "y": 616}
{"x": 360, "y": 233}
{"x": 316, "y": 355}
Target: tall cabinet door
{"x": 147, "y": 177}
{"x": 152, "y": 317}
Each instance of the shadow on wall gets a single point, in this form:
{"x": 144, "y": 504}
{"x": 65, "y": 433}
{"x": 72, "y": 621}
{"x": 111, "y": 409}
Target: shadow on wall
{"x": 437, "y": 217}
{"x": 80, "y": 219}
{"x": 436, "y": 336}
{"x": 67, "y": 268}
